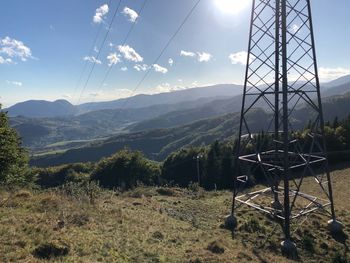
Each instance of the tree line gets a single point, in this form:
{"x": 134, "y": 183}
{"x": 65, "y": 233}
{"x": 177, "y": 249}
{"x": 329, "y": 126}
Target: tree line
{"x": 212, "y": 166}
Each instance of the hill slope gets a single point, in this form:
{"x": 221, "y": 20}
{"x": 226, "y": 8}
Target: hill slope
{"x": 156, "y": 144}
{"x": 157, "y": 225}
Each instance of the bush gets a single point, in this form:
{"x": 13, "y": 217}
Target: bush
{"x": 13, "y": 158}
{"x": 126, "y": 169}
{"x": 60, "y": 175}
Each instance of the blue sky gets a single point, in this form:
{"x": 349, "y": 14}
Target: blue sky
{"x": 45, "y": 45}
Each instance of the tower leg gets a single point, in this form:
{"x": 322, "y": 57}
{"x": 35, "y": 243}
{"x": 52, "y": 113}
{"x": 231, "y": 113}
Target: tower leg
{"x": 333, "y": 225}
{"x": 230, "y": 220}
{"x": 288, "y": 247}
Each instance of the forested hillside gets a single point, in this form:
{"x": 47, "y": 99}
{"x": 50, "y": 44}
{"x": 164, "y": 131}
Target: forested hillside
{"x": 158, "y": 143}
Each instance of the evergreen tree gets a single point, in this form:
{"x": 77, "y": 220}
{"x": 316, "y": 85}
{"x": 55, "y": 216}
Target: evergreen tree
{"x": 13, "y": 158}
{"x": 180, "y": 167}
{"x": 335, "y": 123}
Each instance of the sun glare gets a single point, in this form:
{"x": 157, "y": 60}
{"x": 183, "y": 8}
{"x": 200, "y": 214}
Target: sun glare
{"x": 231, "y": 6}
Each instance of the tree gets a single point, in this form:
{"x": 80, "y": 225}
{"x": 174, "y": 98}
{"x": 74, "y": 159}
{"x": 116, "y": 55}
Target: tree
{"x": 13, "y": 158}
{"x": 126, "y": 169}
{"x": 180, "y": 167}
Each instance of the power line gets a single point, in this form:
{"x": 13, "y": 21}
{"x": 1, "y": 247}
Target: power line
{"x": 99, "y": 51}
{"x": 90, "y": 53}
{"x": 163, "y": 50}
{"x": 124, "y": 42}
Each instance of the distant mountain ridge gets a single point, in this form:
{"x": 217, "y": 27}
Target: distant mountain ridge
{"x": 142, "y": 100}
{"x": 61, "y": 108}
{"x": 337, "y": 82}
{"x": 36, "y": 133}
{"x": 42, "y": 108}
{"x": 57, "y": 134}
{"x": 158, "y": 143}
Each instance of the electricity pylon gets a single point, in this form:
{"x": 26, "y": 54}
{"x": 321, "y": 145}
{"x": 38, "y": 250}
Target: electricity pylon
{"x": 281, "y": 75}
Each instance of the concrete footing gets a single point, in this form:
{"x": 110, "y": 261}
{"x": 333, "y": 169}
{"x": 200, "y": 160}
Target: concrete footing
{"x": 230, "y": 222}
{"x": 335, "y": 226}
{"x": 289, "y": 249}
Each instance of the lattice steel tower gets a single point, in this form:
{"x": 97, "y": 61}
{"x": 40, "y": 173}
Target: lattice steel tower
{"x": 281, "y": 76}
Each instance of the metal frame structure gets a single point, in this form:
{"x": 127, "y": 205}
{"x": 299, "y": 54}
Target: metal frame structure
{"x": 281, "y": 75}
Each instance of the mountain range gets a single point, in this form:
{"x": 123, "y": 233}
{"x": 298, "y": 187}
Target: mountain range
{"x": 158, "y": 143}
{"x": 173, "y": 120}
{"x": 60, "y": 108}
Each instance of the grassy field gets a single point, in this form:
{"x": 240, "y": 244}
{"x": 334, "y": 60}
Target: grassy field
{"x": 156, "y": 225}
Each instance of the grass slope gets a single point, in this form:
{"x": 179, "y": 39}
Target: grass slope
{"x": 155, "y": 225}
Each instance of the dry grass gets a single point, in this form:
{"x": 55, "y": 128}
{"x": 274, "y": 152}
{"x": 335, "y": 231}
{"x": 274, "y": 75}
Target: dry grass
{"x": 152, "y": 225}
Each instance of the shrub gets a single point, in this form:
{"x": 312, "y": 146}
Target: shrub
{"x": 13, "y": 158}
{"x": 126, "y": 169}
{"x": 56, "y": 176}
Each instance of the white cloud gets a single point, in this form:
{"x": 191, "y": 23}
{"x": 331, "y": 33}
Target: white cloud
{"x": 204, "y": 57}
{"x": 92, "y": 59}
{"x": 124, "y": 69}
{"x": 5, "y": 60}
{"x": 67, "y": 96}
{"x": 327, "y": 74}
{"x": 96, "y": 49}
{"x": 105, "y": 95}
{"x": 13, "y": 48}
{"x": 131, "y": 14}
{"x": 239, "y": 58}
{"x": 295, "y": 28}
{"x": 187, "y": 53}
{"x": 113, "y": 59}
{"x": 101, "y": 12}
{"x": 141, "y": 67}
{"x": 195, "y": 84}
{"x": 158, "y": 68}
{"x": 15, "y": 83}
{"x": 129, "y": 53}
{"x": 165, "y": 87}
{"x": 171, "y": 61}
{"x": 201, "y": 56}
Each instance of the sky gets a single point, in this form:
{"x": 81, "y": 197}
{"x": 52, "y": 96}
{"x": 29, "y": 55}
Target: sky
{"x": 49, "y": 48}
